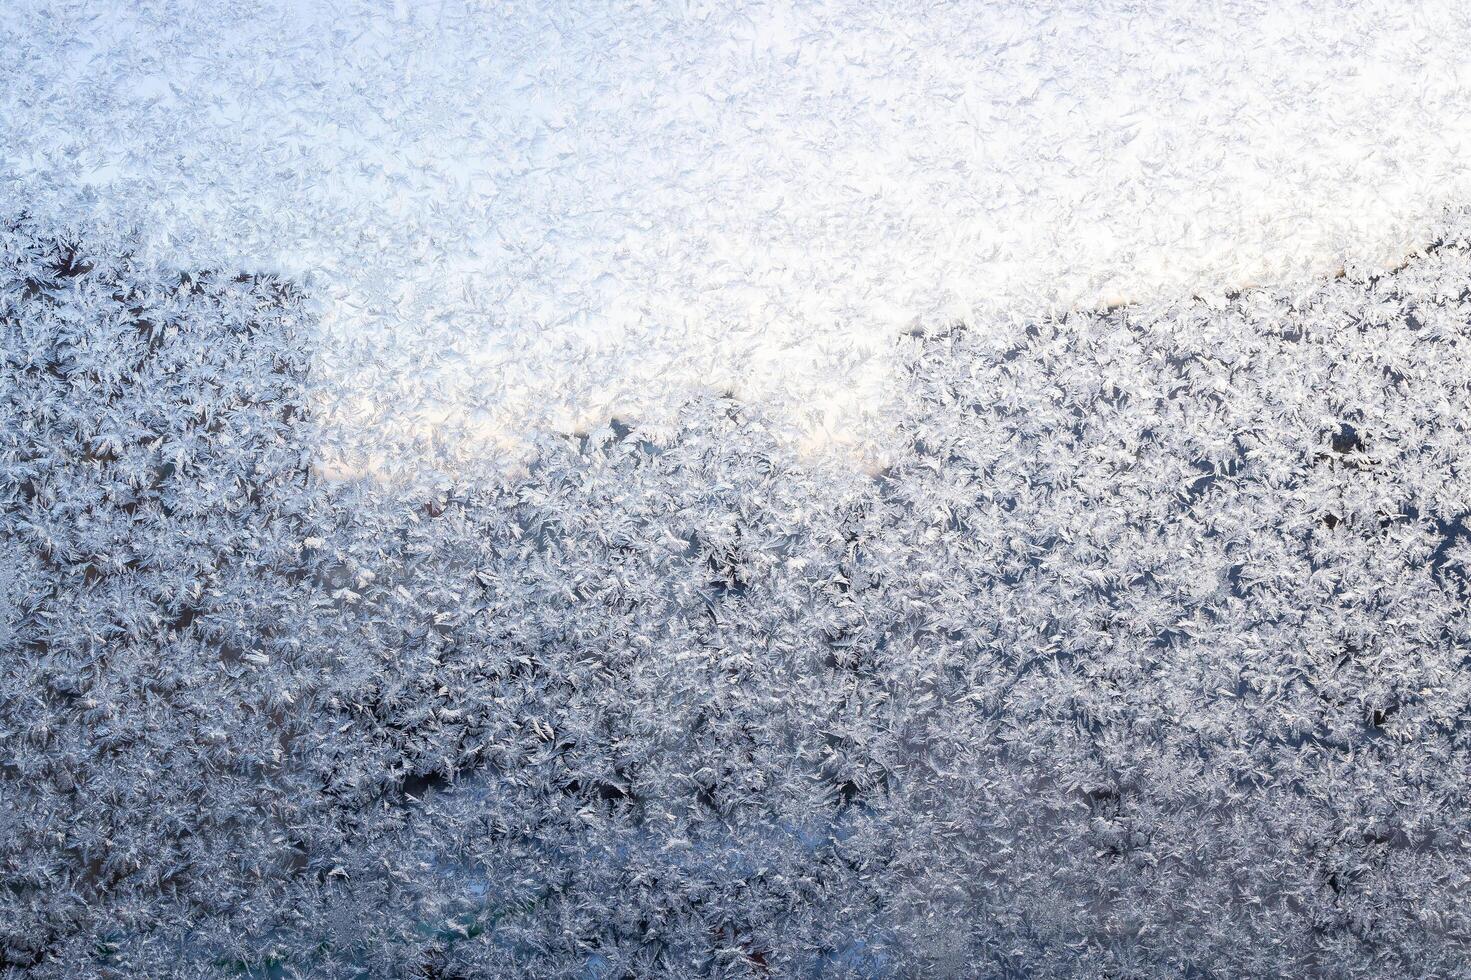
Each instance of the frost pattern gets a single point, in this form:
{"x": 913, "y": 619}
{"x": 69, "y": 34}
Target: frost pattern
{"x": 1144, "y": 657}
{"x": 524, "y": 211}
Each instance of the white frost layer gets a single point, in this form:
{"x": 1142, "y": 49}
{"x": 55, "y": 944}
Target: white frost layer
{"x": 528, "y": 213}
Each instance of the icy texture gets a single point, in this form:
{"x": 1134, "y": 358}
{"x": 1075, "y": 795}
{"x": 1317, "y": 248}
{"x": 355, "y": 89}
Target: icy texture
{"x": 1145, "y": 657}
{"x": 525, "y": 211}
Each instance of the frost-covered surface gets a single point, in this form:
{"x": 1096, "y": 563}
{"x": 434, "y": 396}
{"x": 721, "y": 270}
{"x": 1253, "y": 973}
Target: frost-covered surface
{"x": 530, "y": 211}
{"x": 1145, "y": 657}
{"x": 1134, "y": 647}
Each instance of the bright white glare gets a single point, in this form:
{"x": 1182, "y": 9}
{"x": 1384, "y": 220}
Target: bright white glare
{"x": 525, "y": 214}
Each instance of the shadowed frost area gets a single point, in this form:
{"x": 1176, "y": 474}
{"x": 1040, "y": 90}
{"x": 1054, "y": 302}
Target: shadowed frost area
{"x": 529, "y": 215}
{"x": 1145, "y": 656}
